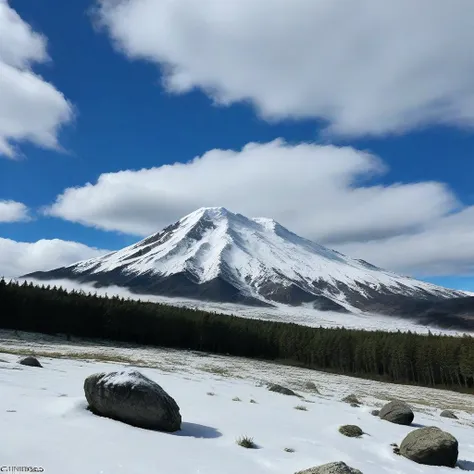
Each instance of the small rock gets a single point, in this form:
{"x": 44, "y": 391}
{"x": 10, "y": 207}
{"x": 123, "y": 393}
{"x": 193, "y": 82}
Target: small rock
{"x": 131, "y": 397}
{"x": 448, "y": 414}
{"x": 351, "y": 399}
{"x": 430, "y": 446}
{"x": 397, "y": 412}
{"x": 273, "y": 387}
{"x": 331, "y": 468}
{"x": 311, "y": 386}
{"x": 30, "y": 361}
{"x": 352, "y": 431}
{"x": 375, "y": 412}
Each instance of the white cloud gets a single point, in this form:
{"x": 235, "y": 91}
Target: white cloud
{"x": 12, "y": 211}
{"x": 20, "y": 258}
{"x": 366, "y": 67}
{"x": 444, "y": 247}
{"x": 31, "y": 109}
{"x": 321, "y": 192}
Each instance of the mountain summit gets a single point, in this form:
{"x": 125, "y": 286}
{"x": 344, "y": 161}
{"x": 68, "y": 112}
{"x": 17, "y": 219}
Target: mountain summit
{"x": 216, "y": 255}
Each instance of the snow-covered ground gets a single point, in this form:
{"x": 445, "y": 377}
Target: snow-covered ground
{"x": 304, "y": 315}
{"x": 45, "y": 422}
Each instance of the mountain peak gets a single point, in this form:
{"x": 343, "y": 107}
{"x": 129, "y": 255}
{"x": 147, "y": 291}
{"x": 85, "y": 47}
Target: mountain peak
{"x": 210, "y": 213}
{"x": 213, "y": 253}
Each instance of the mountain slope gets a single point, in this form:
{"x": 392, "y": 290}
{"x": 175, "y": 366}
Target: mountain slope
{"x": 216, "y": 255}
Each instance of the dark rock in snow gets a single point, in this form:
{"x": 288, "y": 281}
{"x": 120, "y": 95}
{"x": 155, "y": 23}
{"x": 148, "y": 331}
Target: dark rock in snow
{"x": 331, "y": 468}
{"x": 352, "y": 400}
{"x": 448, "y": 414}
{"x": 375, "y": 412}
{"x": 131, "y": 397}
{"x": 397, "y": 412}
{"x": 430, "y": 446}
{"x": 352, "y": 431}
{"x": 30, "y": 361}
{"x": 273, "y": 387}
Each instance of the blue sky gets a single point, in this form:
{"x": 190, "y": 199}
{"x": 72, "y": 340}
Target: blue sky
{"x": 126, "y": 118}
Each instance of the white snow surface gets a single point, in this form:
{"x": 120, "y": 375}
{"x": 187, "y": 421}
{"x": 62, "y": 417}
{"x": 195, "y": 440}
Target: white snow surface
{"x": 127, "y": 376}
{"x": 46, "y": 424}
{"x": 213, "y": 240}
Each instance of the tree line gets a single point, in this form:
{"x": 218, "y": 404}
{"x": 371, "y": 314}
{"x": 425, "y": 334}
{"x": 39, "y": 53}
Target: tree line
{"x": 403, "y": 357}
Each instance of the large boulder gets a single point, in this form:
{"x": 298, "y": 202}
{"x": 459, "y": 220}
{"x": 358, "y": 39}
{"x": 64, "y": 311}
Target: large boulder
{"x": 273, "y": 387}
{"x": 448, "y": 414}
{"x": 131, "y": 397}
{"x": 331, "y": 468}
{"x": 430, "y": 446}
{"x": 397, "y": 412}
{"x": 30, "y": 361}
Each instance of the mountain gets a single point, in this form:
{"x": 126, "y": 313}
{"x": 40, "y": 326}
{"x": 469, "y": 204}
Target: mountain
{"x": 213, "y": 254}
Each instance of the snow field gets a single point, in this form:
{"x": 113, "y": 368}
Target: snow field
{"x": 43, "y": 413}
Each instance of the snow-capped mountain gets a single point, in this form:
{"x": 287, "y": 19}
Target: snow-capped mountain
{"x": 216, "y": 255}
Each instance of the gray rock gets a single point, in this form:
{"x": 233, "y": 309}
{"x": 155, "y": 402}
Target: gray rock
{"x": 397, "y": 412}
{"x": 351, "y": 399}
{"x": 352, "y": 431}
{"x": 375, "y": 412}
{"x": 311, "y": 386}
{"x": 30, "y": 361}
{"x": 273, "y": 387}
{"x": 448, "y": 414}
{"x": 131, "y": 397}
{"x": 331, "y": 468}
{"x": 430, "y": 446}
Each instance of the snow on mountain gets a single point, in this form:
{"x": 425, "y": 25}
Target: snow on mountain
{"x": 213, "y": 254}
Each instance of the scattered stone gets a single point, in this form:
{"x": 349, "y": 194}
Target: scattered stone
{"x": 331, "y": 468}
{"x": 397, "y": 412}
{"x": 31, "y": 361}
{"x": 430, "y": 446}
{"x": 448, "y": 414}
{"x": 311, "y": 386}
{"x": 273, "y": 387}
{"x": 375, "y": 412}
{"x": 355, "y": 405}
{"x": 352, "y": 431}
{"x": 131, "y": 397}
{"x": 352, "y": 400}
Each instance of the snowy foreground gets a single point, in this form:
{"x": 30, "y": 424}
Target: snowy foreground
{"x": 46, "y": 424}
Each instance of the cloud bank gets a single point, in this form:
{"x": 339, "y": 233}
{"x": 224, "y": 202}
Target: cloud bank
{"x": 20, "y": 258}
{"x": 31, "y": 109}
{"x": 364, "y": 68}
{"x": 325, "y": 193}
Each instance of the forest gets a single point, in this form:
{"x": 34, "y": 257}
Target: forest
{"x": 402, "y": 357}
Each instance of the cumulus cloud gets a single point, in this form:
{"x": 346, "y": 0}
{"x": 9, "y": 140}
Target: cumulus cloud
{"x": 444, "y": 247}
{"x": 12, "y": 211}
{"x": 20, "y": 258}
{"x": 368, "y": 67}
{"x": 321, "y": 192}
{"x": 31, "y": 109}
